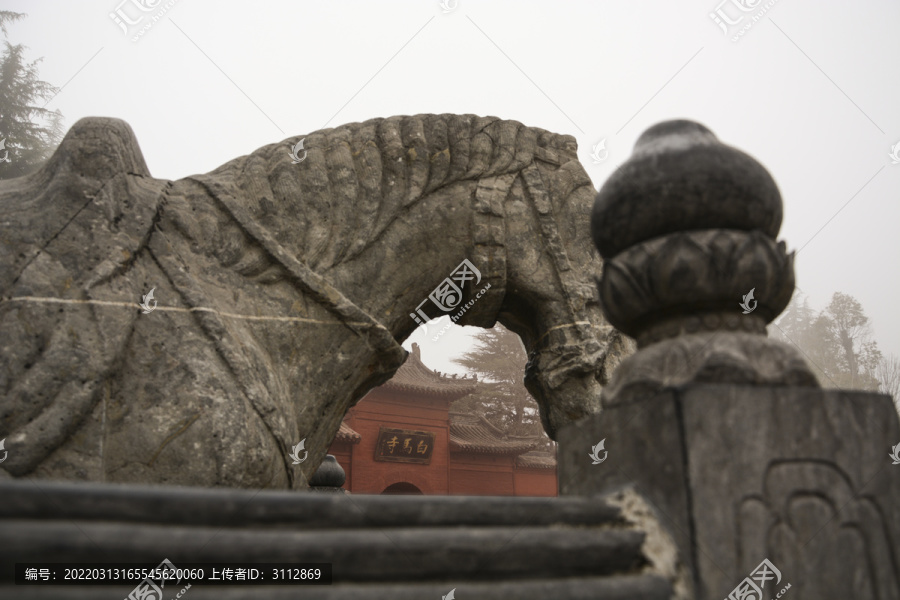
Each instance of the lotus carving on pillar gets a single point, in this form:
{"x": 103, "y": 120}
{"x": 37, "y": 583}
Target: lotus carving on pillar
{"x": 704, "y": 271}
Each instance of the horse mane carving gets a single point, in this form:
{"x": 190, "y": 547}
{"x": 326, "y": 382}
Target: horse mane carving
{"x": 358, "y": 179}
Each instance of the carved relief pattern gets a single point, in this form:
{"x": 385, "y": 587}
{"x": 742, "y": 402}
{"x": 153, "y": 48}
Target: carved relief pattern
{"x": 806, "y": 500}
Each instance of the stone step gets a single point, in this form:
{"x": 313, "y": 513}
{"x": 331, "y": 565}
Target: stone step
{"x": 379, "y": 546}
{"x": 413, "y": 553}
{"x": 628, "y": 587}
{"x": 221, "y": 507}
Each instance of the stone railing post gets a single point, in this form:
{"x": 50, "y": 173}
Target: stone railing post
{"x": 329, "y": 477}
{"x": 724, "y": 433}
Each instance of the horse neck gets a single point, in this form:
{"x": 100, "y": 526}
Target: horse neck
{"x": 397, "y": 276}
{"x": 551, "y": 297}
{"x": 395, "y": 205}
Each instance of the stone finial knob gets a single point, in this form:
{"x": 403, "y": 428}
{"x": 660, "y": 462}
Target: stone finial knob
{"x": 681, "y": 178}
{"x": 330, "y": 476}
{"x": 687, "y": 231}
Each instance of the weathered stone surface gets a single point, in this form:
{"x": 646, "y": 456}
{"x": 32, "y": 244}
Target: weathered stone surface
{"x": 283, "y": 291}
{"x": 218, "y": 508}
{"x": 379, "y": 546}
{"x": 737, "y": 474}
{"x": 381, "y": 555}
{"x": 700, "y": 272}
{"x": 707, "y": 357}
{"x": 681, "y": 178}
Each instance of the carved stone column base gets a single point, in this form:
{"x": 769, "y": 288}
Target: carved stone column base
{"x": 707, "y": 357}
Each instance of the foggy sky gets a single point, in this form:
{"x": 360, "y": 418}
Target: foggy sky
{"x": 810, "y": 90}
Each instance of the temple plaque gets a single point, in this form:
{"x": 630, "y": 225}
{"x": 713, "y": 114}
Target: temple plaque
{"x": 400, "y": 445}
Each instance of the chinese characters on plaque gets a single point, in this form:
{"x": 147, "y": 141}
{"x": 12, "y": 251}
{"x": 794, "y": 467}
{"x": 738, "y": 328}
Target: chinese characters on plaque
{"x": 399, "y": 445}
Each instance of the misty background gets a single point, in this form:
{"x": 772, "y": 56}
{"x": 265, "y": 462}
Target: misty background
{"x": 809, "y": 89}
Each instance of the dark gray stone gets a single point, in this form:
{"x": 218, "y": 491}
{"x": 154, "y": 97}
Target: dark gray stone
{"x": 681, "y": 178}
{"x": 43, "y": 500}
{"x": 329, "y": 477}
{"x": 737, "y": 474}
{"x": 376, "y": 555}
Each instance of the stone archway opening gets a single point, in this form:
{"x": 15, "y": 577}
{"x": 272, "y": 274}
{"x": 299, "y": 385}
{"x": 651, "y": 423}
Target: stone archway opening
{"x": 402, "y": 488}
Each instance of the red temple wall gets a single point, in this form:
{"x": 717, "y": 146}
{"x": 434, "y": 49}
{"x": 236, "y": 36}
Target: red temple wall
{"x": 481, "y": 475}
{"x": 536, "y": 482}
{"x": 455, "y": 473}
{"x": 398, "y": 410}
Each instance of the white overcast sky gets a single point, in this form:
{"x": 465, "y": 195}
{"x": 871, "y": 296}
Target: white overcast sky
{"x": 811, "y": 90}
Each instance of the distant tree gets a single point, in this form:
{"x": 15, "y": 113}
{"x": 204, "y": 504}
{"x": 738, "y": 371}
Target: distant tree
{"x": 888, "y": 374}
{"x": 797, "y": 326}
{"x": 29, "y": 131}
{"x": 796, "y": 323}
{"x": 837, "y": 342}
{"x": 499, "y": 361}
{"x": 848, "y": 326}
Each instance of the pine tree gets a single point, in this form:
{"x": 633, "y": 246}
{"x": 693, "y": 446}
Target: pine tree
{"x": 499, "y": 361}
{"x": 29, "y": 132}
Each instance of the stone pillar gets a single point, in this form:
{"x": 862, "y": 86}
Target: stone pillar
{"x": 722, "y": 431}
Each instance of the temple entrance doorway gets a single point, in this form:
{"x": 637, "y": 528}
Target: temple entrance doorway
{"x": 402, "y": 489}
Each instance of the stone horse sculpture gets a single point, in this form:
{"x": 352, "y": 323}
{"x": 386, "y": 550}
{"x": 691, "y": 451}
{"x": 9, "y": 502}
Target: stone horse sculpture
{"x": 281, "y": 287}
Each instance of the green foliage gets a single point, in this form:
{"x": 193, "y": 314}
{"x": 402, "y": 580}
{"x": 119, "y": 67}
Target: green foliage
{"x": 499, "y": 361}
{"x": 31, "y": 131}
{"x": 837, "y": 342}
